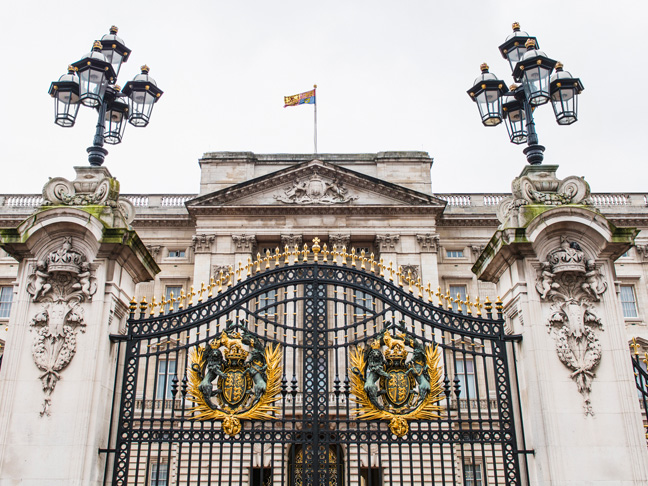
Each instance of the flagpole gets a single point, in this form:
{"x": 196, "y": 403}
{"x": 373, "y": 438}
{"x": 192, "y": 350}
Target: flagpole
{"x": 315, "y": 113}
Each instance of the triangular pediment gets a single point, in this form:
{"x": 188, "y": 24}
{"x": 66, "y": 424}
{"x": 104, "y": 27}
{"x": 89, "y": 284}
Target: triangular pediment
{"x": 316, "y": 184}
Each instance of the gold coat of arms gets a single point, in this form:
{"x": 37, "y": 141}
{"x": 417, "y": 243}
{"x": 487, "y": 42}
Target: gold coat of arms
{"x": 236, "y": 376}
{"x": 396, "y": 378}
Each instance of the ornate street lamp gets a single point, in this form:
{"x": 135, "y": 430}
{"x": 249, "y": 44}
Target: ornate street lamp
{"x": 91, "y": 82}
{"x": 532, "y": 69}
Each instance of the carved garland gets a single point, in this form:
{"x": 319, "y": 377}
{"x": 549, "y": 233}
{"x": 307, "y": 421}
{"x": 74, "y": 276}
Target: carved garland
{"x": 61, "y": 282}
{"x": 573, "y": 284}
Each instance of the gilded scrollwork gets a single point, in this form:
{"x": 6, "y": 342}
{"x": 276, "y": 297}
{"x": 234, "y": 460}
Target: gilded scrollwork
{"x": 573, "y": 284}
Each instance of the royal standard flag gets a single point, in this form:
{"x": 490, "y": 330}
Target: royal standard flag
{"x": 307, "y": 98}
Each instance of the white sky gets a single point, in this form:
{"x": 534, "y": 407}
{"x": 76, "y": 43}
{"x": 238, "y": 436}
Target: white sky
{"x": 391, "y": 75}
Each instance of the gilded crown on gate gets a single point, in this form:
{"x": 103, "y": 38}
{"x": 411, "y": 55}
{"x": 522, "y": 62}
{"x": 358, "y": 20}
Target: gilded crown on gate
{"x": 234, "y": 352}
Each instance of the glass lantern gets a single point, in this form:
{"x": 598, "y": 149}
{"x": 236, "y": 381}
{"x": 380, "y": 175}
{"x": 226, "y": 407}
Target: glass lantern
{"x": 487, "y": 92}
{"x": 533, "y": 70}
{"x": 65, "y": 92}
{"x": 515, "y": 117}
{"x": 114, "y": 49}
{"x": 116, "y": 116}
{"x": 513, "y": 47}
{"x": 95, "y": 73}
{"x": 564, "y": 95}
{"x": 142, "y": 94}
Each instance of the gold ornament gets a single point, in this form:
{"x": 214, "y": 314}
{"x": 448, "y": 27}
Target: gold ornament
{"x": 386, "y": 387}
{"x": 247, "y": 382}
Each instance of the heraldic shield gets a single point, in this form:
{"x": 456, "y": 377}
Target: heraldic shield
{"x": 391, "y": 383}
{"x": 230, "y": 383}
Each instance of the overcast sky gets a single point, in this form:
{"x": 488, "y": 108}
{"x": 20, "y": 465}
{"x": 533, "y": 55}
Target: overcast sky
{"x": 391, "y": 76}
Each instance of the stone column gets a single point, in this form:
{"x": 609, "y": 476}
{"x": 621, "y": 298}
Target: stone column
{"x": 79, "y": 262}
{"x": 553, "y": 261}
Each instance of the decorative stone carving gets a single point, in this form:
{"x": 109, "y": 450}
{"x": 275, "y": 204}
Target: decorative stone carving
{"x": 92, "y": 187}
{"x": 245, "y": 243}
{"x": 291, "y": 240}
{"x": 428, "y": 243}
{"x": 315, "y": 190}
{"x": 412, "y": 270}
{"x": 202, "y": 243}
{"x": 339, "y": 241}
{"x": 387, "y": 242}
{"x": 573, "y": 285}
{"x": 643, "y": 251}
{"x": 217, "y": 269}
{"x": 154, "y": 250}
{"x": 476, "y": 250}
{"x": 539, "y": 185}
{"x": 61, "y": 282}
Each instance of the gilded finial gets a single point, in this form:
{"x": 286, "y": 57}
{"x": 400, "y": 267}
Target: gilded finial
{"x": 635, "y": 346}
{"x": 133, "y": 305}
{"x": 516, "y": 26}
{"x": 114, "y": 29}
{"x": 145, "y": 69}
{"x": 530, "y": 44}
{"x": 484, "y": 67}
{"x": 97, "y": 46}
{"x": 316, "y": 248}
{"x": 143, "y": 306}
{"x": 498, "y": 305}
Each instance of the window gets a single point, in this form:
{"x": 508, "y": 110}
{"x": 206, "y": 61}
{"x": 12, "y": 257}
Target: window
{"x": 466, "y": 376}
{"x": 457, "y": 290}
{"x": 268, "y": 302}
{"x": 628, "y": 301}
{"x": 176, "y": 253}
{"x": 261, "y": 476}
{"x": 454, "y": 253}
{"x": 363, "y": 304}
{"x": 166, "y": 372}
{"x": 6, "y": 296}
{"x": 626, "y": 254}
{"x": 370, "y": 476}
{"x": 159, "y": 474}
{"x": 473, "y": 475}
{"x": 175, "y": 290}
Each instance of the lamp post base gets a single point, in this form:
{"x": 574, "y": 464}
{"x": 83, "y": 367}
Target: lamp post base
{"x": 534, "y": 154}
{"x": 96, "y": 155}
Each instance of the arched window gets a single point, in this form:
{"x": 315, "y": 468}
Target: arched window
{"x": 332, "y": 470}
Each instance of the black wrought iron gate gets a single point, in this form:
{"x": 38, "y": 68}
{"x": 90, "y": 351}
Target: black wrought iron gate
{"x": 315, "y": 369}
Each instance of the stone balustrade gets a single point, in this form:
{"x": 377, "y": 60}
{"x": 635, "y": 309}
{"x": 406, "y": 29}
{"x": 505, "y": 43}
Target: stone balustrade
{"x": 487, "y": 201}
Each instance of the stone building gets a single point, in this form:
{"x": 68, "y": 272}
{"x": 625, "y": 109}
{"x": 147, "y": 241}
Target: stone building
{"x": 550, "y": 399}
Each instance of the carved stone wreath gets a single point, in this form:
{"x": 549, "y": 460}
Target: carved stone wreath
{"x": 61, "y": 282}
{"x": 573, "y": 285}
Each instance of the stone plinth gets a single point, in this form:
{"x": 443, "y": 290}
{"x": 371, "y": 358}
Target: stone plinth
{"x": 553, "y": 263}
{"x": 79, "y": 263}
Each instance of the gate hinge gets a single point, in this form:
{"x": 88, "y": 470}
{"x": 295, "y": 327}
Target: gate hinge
{"x": 524, "y": 451}
{"x": 513, "y": 337}
{"x": 104, "y": 451}
{"x": 117, "y": 337}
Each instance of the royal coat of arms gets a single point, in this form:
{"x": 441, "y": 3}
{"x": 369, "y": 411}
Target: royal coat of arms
{"x": 396, "y": 378}
{"x": 236, "y": 376}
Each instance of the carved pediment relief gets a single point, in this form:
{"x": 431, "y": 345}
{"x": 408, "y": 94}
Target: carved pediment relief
{"x": 315, "y": 190}
{"x": 315, "y": 184}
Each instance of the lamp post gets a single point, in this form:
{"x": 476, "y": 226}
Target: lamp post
{"x": 91, "y": 82}
{"x": 532, "y": 69}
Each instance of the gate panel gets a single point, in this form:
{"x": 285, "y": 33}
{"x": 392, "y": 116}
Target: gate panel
{"x": 449, "y": 421}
